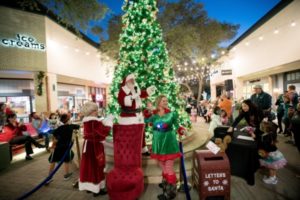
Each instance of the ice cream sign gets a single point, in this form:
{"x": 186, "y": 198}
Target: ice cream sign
{"x": 23, "y": 42}
{"x": 215, "y": 181}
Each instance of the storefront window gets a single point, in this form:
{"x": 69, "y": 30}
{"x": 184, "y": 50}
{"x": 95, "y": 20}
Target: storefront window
{"x": 248, "y": 86}
{"x": 293, "y": 78}
{"x": 21, "y": 105}
{"x": 65, "y": 103}
{"x": 2, "y": 99}
{"x": 298, "y": 76}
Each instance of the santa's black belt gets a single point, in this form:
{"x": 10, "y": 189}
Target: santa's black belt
{"x": 130, "y": 111}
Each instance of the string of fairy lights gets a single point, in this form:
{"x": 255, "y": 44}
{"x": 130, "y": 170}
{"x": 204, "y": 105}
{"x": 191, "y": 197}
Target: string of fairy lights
{"x": 191, "y": 71}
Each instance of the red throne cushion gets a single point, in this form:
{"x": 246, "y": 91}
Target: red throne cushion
{"x": 126, "y": 180}
{"x": 125, "y": 184}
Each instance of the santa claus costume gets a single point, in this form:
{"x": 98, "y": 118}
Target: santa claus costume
{"x": 129, "y": 98}
{"x": 93, "y": 157}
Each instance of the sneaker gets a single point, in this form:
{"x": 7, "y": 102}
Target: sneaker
{"x": 76, "y": 184}
{"x": 162, "y": 197}
{"x": 48, "y": 182}
{"x": 103, "y": 191}
{"x": 67, "y": 176}
{"x": 41, "y": 146}
{"x": 265, "y": 178}
{"x": 271, "y": 180}
{"x": 28, "y": 158}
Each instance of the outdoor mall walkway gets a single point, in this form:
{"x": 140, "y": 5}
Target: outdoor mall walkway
{"x": 23, "y": 175}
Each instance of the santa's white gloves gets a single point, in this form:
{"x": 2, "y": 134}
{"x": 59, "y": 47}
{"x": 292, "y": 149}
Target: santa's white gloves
{"x": 109, "y": 120}
{"x": 151, "y": 90}
{"x": 135, "y": 96}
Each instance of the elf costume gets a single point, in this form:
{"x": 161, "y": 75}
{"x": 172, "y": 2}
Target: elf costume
{"x": 165, "y": 148}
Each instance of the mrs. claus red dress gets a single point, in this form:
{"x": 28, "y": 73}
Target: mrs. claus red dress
{"x": 93, "y": 158}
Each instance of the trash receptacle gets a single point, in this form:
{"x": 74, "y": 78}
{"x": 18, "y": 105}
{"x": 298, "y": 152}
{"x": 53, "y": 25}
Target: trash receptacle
{"x": 211, "y": 175}
{"x": 4, "y": 155}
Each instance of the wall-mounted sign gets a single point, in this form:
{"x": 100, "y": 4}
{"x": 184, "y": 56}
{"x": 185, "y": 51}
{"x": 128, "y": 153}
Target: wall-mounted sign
{"x": 225, "y": 72}
{"x": 23, "y": 42}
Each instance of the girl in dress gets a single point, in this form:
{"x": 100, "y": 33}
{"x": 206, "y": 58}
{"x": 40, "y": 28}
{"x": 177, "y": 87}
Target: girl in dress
{"x": 271, "y": 157}
{"x": 215, "y": 121}
{"x": 224, "y": 117}
{"x": 194, "y": 114}
{"x": 62, "y": 137}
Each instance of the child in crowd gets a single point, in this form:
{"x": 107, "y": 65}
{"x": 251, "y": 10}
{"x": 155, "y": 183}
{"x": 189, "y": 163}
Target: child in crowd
{"x": 224, "y": 117}
{"x": 40, "y": 124}
{"x": 202, "y": 108}
{"x": 147, "y": 113}
{"x": 194, "y": 114}
{"x": 209, "y": 113}
{"x": 271, "y": 157}
{"x": 53, "y": 122}
{"x": 62, "y": 137}
{"x": 215, "y": 120}
{"x": 92, "y": 178}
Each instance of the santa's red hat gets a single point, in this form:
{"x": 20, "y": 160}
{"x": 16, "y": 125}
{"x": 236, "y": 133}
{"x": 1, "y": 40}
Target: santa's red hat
{"x": 127, "y": 78}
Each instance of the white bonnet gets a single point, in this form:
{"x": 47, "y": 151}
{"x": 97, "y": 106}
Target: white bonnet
{"x": 88, "y": 108}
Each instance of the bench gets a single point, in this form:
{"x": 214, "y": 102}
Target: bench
{"x": 17, "y": 149}
{"x": 20, "y": 148}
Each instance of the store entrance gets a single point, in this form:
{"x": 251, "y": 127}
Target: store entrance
{"x": 22, "y": 105}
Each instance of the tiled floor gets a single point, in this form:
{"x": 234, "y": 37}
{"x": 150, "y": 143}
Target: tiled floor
{"x": 22, "y": 176}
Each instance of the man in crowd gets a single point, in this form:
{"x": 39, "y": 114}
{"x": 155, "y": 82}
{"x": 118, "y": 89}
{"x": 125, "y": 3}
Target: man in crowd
{"x": 226, "y": 104}
{"x": 293, "y": 95}
{"x": 262, "y": 100}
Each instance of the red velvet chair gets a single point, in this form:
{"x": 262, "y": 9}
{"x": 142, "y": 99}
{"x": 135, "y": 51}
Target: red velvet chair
{"x": 126, "y": 180}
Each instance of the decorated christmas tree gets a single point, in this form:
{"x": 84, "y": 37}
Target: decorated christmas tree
{"x": 144, "y": 53}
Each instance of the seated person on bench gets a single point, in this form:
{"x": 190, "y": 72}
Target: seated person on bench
{"x": 14, "y": 135}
